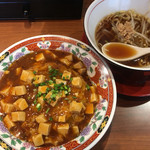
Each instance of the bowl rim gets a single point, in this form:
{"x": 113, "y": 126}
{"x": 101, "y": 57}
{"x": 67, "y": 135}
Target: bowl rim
{"x": 89, "y": 11}
{"x": 104, "y": 63}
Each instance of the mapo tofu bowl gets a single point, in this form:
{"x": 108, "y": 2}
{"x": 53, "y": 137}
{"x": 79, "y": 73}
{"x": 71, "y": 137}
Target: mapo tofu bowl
{"x": 54, "y": 92}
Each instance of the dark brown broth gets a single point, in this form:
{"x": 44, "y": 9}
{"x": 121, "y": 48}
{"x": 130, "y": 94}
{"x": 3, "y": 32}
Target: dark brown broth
{"x": 119, "y": 51}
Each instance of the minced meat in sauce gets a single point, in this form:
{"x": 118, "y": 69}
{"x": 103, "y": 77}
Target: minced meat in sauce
{"x": 47, "y": 98}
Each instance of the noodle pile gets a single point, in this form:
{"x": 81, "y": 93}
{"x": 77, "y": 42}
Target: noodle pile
{"x": 126, "y": 27}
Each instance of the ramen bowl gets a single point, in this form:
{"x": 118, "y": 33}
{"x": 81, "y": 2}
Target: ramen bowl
{"x": 132, "y": 81}
{"x": 98, "y": 72}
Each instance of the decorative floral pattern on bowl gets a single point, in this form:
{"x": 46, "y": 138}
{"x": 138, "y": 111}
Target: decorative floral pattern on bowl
{"x": 98, "y": 72}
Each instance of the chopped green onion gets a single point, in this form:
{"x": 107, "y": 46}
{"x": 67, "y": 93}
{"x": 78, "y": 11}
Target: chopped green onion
{"x": 35, "y": 101}
{"x": 49, "y": 101}
{"x": 47, "y": 110}
{"x": 74, "y": 97}
{"x": 69, "y": 89}
{"x": 47, "y": 90}
{"x": 38, "y": 106}
{"x": 36, "y": 85}
{"x": 44, "y": 94}
{"x": 34, "y": 90}
{"x": 29, "y": 98}
{"x": 39, "y": 94}
{"x": 44, "y": 83}
{"x": 49, "y": 68}
{"x": 65, "y": 87}
{"x": 54, "y": 78}
{"x": 53, "y": 72}
{"x": 34, "y": 72}
{"x": 53, "y": 97}
{"x": 66, "y": 92}
{"x": 87, "y": 87}
{"x": 60, "y": 74}
{"x": 45, "y": 99}
{"x": 50, "y": 82}
{"x": 50, "y": 118}
{"x": 69, "y": 101}
{"x": 34, "y": 78}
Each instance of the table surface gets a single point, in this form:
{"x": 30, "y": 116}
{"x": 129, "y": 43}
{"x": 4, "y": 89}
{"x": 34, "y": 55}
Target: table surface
{"x": 130, "y": 128}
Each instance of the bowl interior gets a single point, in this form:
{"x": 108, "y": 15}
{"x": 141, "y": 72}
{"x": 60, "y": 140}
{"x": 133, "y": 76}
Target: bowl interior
{"x": 101, "y": 8}
{"x": 98, "y": 72}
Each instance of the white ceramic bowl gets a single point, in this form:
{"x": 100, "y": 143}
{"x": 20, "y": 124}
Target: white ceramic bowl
{"x": 101, "y": 8}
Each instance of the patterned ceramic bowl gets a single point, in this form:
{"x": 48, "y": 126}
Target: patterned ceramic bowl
{"x": 99, "y": 74}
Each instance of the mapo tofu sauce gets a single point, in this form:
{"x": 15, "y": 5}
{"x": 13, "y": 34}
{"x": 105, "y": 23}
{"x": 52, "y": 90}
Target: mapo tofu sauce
{"x": 47, "y": 98}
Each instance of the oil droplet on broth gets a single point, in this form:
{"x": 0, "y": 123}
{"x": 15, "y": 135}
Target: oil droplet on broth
{"x": 119, "y": 51}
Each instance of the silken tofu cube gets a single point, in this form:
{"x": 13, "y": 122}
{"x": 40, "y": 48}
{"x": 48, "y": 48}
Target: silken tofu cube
{"x": 12, "y": 91}
{"x": 63, "y": 129}
{"x": 19, "y": 90}
{"x": 76, "y": 107}
{"x": 44, "y": 128}
{"x": 7, "y": 72}
{"x": 52, "y": 85}
{"x": 18, "y": 116}
{"x": 8, "y": 122}
{"x": 82, "y": 70}
{"x": 63, "y": 94}
{"x": 39, "y": 79}
{"x": 48, "y": 96}
{"x": 54, "y": 141}
{"x": 41, "y": 100}
{"x": 66, "y": 75}
{"x": 50, "y": 140}
{"x": 77, "y": 82}
{"x": 89, "y": 108}
{"x": 65, "y": 61}
{"x": 2, "y": 103}
{"x": 39, "y": 57}
{"x": 27, "y": 75}
{"x": 50, "y": 101}
{"x": 21, "y": 104}
{"x": 92, "y": 88}
{"x": 42, "y": 89}
{"x": 69, "y": 57}
{"x": 5, "y": 91}
{"x": 51, "y": 54}
{"x": 8, "y": 108}
{"x": 94, "y": 97}
{"x": 62, "y": 118}
{"x": 54, "y": 102}
{"x": 59, "y": 81}
{"x": 78, "y": 65}
{"x": 18, "y": 70}
{"x": 41, "y": 118}
{"x": 38, "y": 140}
{"x": 75, "y": 130}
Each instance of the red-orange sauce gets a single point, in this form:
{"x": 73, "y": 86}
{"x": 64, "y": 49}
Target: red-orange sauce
{"x": 27, "y": 129}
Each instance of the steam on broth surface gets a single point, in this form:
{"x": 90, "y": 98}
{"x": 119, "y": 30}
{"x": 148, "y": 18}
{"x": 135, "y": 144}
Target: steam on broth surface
{"x": 126, "y": 27}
